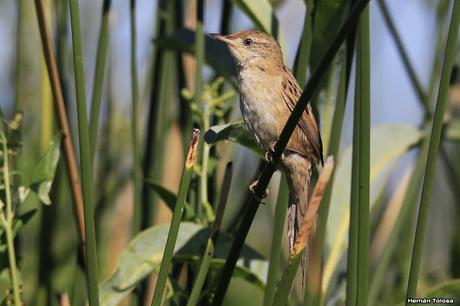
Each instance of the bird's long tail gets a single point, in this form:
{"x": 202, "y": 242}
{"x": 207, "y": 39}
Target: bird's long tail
{"x": 299, "y": 182}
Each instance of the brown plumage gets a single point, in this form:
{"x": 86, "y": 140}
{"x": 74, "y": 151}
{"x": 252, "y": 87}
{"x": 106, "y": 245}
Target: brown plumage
{"x": 268, "y": 93}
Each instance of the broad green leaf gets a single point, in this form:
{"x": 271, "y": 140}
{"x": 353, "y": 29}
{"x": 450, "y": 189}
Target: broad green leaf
{"x": 453, "y": 130}
{"x": 449, "y": 290}
{"x": 235, "y": 132}
{"x": 170, "y": 199}
{"x": 139, "y": 259}
{"x": 21, "y": 220}
{"x": 143, "y": 255}
{"x": 388, "y": 143}
{"x": 216, "y": 55}
{"x": 43, "y": 174}
{"x": 18, "y": 223}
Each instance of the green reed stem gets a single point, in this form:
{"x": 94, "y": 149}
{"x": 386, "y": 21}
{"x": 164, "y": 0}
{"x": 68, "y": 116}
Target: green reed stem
{"x": 302, "y": 57}
{"x": 98, "y": 82}
{"x": 85, "y": 157}
{"x": 209, "y": 251}
{"x": 363, "y": 64}
{"x": 176, "y": 219}
{"x": 275, "y": 252}
{"x": 135, "y": 130}
{"x": 270, "y": 168}
{"x": 153, "y": 154}
{"x": 357, "y": 278}
{"x": 435, "y": 138}
{"x": 6, "y": 221}
{"x": 199, "y": 56}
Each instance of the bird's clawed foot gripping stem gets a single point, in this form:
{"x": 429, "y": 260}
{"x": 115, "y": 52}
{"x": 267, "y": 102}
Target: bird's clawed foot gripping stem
{"x": 270, "y": 155}
{"x": 252, "y": 188}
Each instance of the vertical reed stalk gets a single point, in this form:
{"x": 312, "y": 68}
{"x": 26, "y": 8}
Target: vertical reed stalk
{"x": 20, "y": 36}
{"x": 357, "y": 281}
{"x": 98, "y": 82}
{"x": 302, "y": 57}
{"x": 176, "y": 219}
{"x": 199, "y": 55}
{"x": 435, "y": 138}
{"x": 153, "y": 154}
{"x": 135, "y": 130}
{"x": 209, "y": 251}
{"x": 85, "y": 156}
{"x": 275, "y": 252}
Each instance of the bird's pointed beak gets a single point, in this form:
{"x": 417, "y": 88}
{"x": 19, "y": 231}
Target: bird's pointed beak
{"x": 222, "y": 38}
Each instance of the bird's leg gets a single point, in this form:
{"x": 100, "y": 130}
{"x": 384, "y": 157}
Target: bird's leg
{"x": 269, "y": 154}
{"x": 252, "y": 188}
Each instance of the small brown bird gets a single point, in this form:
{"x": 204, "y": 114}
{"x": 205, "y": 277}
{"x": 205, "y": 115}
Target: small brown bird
{"x": 268, "y": 93}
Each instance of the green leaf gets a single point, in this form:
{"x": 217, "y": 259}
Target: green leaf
{"x": 43, "y": 174}
{"x": 235, "y": 132}
{"x": 217, "y": 54}
{"x": 388, "y": 143}
{"x": 449, "y": 289}
{"x": 22, "y": 220}
{"x": 170, "y": 199}
{"x": 143, "y": 255}
{"x": 453, "y": 130}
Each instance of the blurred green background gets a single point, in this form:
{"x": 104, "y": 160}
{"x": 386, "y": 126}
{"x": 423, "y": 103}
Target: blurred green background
{"x": 171, "y": 100}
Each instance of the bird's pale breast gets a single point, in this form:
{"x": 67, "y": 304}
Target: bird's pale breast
{"x": 263, "y": 109}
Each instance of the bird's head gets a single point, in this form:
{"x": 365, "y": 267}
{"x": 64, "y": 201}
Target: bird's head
{"x": 252, "y": 48}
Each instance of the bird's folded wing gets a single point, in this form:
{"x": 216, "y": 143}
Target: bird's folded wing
{"x": 291, "y": 93}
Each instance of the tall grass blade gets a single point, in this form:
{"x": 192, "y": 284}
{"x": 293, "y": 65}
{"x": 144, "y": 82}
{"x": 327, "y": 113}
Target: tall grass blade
{"x": 175, "y": 222}
{"x": 199, "y": 56}
{"x": 85, "y": 156}
{"x": 135, "y": 125}
{"x": 209, "y": 251}
{"x": 270, "y": 168}
{"x": 227, "y": 9}
{"x": 435, "y": 138}
{"x": 302, "y": 57}
{"x": 99, "y": 73}
{"x": 275, "y": 252}
{"x": 153, "y": 154}
{"x": 357, "y": 275}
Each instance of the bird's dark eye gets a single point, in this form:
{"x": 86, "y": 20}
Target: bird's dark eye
{"x": 247, "y": 42}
